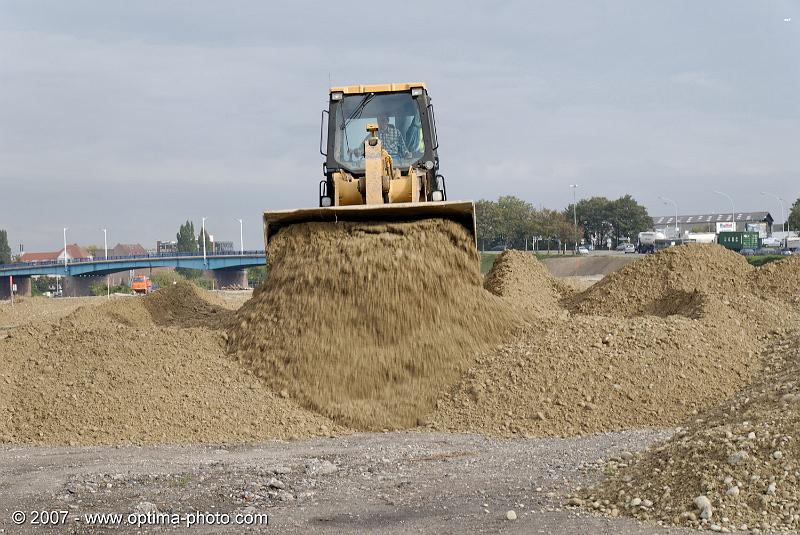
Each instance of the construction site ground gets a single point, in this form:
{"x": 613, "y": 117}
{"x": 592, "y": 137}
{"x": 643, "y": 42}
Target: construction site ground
{"x": 524, "y": 403}
{"x": 395, "y": 483}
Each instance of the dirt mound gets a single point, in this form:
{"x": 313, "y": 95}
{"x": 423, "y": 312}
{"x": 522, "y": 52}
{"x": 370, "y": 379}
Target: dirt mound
{"x": 520, "y": 278}
{"x": 185, "y": 305}
{"x": 580, "y": 376}
{"x": 652, "y": 284}
{"x": 366, "y": 323}
{"x": 780, "y": 280}
{"x": 107, "y": 374}
{"x": 741, "y": 458}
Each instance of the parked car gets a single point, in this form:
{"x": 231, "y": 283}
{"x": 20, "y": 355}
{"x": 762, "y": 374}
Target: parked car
{"x": 747, "y": 252}
{"x": 583, "y": 250}
{"x": 629, "y": 248}
{"x": 766, "y": 251}
{"x": 786, "y": 252}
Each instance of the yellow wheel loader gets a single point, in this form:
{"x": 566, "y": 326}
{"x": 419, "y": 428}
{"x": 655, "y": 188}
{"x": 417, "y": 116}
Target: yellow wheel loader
{"x": 381, "y": 162}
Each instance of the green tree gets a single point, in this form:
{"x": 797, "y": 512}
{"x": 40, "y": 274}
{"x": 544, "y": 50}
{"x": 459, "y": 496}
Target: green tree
{"x": 515, "y": 220}
{"x": 5, "y": 249}
{"x": 209, "y": 244}
{"x": 96, "y": 251}
{"x": 794, "y": 216}
{"x": 594, "y": 215}
{"x": 486, "y": 221}
{"x": 628, "y": 218}
{"x": 41, "y": 285}
{"x": 603, "y": 219}
{"x": 187, "y": 243}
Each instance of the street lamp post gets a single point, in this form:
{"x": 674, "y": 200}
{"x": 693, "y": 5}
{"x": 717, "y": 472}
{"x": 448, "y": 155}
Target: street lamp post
{"x": 675, "y": 204}
{"x": 733, "y": 206}
{"x": 108, "y": 276}
{"x": 241, "y": 237}
{"x": 783, "y": 213}
{"x": 575, "y": 215}
{"x": 65, "y": 248}
{"x": 205, "y": 262}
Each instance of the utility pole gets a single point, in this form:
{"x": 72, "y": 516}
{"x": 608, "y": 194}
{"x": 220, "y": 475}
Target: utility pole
{"x": 241, "y": 237}
{"x": 575, "y": 216}
{"x": 205, "y": 262}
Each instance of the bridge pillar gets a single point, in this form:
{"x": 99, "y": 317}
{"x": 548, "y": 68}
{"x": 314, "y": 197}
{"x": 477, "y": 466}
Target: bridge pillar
{"x": 23, "y": 285}
{"x": 231, "y": 277}
{"x": 80, "y": 286}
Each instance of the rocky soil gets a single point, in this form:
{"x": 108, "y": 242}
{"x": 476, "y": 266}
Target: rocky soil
{"x": 131, "y": 371}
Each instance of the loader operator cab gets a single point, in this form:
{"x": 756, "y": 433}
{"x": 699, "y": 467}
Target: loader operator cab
{"x": 381, "y": 162}
{"x": 406, "y": 129}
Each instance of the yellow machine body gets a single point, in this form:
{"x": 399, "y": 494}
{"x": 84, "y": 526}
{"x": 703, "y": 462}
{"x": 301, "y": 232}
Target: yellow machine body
{"x": 379, "y": 190}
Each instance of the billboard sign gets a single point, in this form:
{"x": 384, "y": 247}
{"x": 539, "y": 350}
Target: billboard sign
{"x": 726, "y": 226}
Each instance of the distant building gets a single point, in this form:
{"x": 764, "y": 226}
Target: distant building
{"x": 166, "y": 247}
{"x": 222, "y": 246}
{"x": 760, "y": 222}
{"x": 73, "y": 252}
{"x": 39, "y": 257}
{"x": 130, "y": 249}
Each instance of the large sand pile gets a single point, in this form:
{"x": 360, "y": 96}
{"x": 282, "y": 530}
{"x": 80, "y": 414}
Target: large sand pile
{"x": 738, "y": 462}
{"x": 366, "y": 323}
{"x": 780, "y": 280}
{"x": 672, "y": 343}
{"x": 581, "y": 376}
{"x": 108, "y": 374}
{"x": 520, "y": 278}
{"x": 678, "y": 280}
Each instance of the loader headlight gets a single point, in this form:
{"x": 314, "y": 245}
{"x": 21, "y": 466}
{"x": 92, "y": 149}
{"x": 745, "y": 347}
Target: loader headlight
{"x": 337, "y": 95}
{"x": 429, "y": 165}
{"x": 325, "y": 202}
{"x": 437, "y": 195}
{"x": 416, "y": 91}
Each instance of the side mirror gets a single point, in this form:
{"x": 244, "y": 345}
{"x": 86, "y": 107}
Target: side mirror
{"x": 323, "y": 128}
{"x": 434, "y": 136}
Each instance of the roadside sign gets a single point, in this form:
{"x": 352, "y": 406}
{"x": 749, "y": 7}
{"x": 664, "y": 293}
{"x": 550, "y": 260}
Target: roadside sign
{"x": 726, "y": 226}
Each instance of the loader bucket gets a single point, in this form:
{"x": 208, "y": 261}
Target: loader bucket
{"x": 462, "y": 212}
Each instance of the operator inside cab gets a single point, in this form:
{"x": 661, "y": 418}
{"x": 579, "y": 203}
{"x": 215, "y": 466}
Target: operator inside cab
{"x": 391, "y": 138}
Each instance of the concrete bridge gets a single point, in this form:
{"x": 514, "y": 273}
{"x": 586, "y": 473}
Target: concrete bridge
{"x": 81, "y": 273}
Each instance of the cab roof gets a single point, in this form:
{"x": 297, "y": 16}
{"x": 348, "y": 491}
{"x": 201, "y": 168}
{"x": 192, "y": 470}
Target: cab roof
{"x": 376, "y": 88}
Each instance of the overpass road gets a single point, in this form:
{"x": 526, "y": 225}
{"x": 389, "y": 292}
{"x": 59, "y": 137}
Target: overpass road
{"x": 81, "y": 273}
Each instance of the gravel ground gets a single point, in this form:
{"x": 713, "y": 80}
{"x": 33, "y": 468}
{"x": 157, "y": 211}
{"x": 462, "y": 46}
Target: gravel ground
{"x": 378, "y": 482}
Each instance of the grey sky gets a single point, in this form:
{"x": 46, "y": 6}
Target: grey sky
{"x": 136, "y": 116}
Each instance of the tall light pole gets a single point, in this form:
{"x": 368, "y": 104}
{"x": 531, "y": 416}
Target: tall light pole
{"x": 65, "y": 248}
{"x": 575, "y": 215}
{"x": 733, "y": 206}
{"x": 667, "y": 200}
{"x": 783, "y": 207}
{"x": 108, "y": 276}
{"x": 241, "y": 237}
{"x": 205, "y": 262}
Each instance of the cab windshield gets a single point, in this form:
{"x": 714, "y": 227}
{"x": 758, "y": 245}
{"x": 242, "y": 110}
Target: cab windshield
{"x": 399, "y": 128}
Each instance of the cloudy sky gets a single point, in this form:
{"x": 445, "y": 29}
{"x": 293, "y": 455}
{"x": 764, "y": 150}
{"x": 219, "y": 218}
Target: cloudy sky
{"x": 136, "y": 116}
